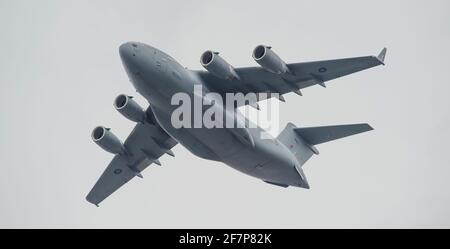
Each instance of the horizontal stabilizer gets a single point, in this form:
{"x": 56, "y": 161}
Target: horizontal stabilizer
{"x": 319, "y": 135}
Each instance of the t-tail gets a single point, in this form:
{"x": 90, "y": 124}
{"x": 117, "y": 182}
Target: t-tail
{"x": 302, "y": 141}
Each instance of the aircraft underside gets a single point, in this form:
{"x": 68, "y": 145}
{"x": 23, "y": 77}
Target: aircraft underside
{"x": 158, "y": 77}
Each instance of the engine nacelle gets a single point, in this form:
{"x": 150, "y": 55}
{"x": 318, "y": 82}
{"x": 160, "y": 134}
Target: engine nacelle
{"x": 104, "y": 138}
{"x": 129, "y": 108}
{"x": 270, "y": 61}
{"x": 215, "y": 64}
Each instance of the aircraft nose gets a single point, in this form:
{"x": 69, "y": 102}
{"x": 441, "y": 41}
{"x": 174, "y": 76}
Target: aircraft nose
{"x": 126, "y": 52}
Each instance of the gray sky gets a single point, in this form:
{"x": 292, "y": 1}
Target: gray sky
{"x": 60, "y": 72}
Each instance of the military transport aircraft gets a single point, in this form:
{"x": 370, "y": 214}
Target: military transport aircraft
{"x": 157, "y": 77}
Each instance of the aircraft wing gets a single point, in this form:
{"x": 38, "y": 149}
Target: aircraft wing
{"x": 303, "y": 75}
{"x": 144, "y": 146}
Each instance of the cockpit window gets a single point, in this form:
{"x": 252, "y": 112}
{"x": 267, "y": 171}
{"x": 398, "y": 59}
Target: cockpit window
{"x": 134, "y": 45}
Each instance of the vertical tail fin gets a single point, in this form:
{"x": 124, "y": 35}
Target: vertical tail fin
{"x": 296, "y": 144}
{"x": 302, "y": 141}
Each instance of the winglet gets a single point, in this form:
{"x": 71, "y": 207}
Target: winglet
{"x": 382, "y": 55}
{"x": 92, "y": 201}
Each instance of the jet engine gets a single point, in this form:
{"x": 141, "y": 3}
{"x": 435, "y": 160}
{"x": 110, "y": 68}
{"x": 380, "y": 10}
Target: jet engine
{"x": 104, "y": 138}
{"x": 129, "y": 108}
{"x": 215, "y": 64}
{"x": 270, "y": 61}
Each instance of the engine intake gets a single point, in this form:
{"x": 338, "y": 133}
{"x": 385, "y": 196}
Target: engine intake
{"x": 269, "y": 60}
{"x": 104, "y": 138}
{"x": 215, "y": 64}
{"x": 129, "y": 108}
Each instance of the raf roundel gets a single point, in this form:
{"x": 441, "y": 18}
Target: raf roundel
{"x": 322, "y": 70}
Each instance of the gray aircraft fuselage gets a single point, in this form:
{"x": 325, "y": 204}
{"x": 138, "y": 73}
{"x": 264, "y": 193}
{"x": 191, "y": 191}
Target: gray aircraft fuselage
{"x": 157, "y": 77}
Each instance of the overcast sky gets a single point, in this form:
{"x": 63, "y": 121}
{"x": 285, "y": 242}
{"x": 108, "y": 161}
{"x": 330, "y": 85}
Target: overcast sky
{"x": 60, "y": 71}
